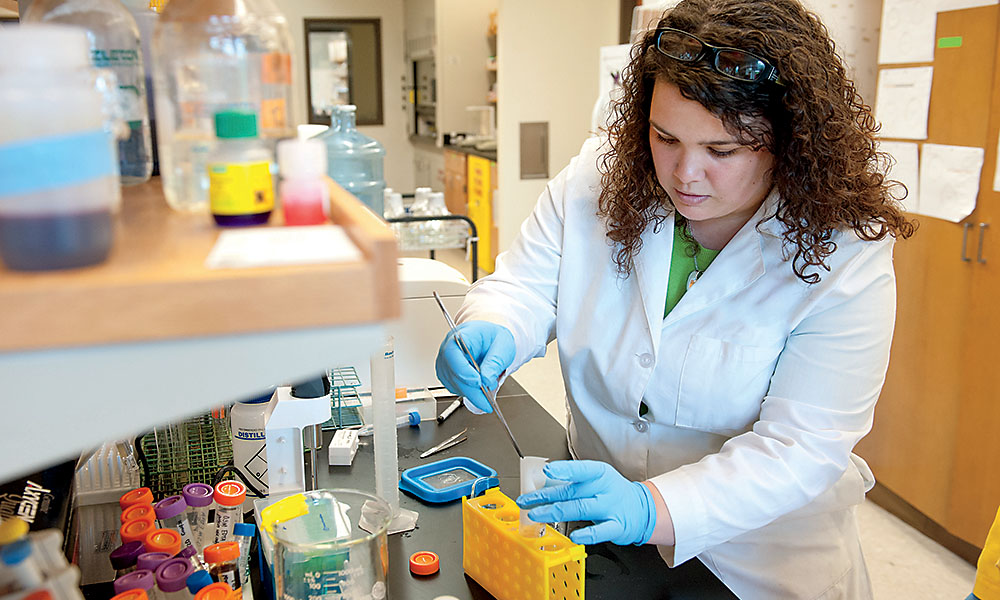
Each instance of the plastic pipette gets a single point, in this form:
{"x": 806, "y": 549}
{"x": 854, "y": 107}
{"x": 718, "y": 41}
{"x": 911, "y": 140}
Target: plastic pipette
{"x": 491, "y": 397}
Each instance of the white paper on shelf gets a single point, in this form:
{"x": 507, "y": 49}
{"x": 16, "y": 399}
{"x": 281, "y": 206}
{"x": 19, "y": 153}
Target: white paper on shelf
{"x": 908, "y": 28}
{"x": 280, "y": 246}
{"x": 949, "y": 180}
{"x": 902, "y": 102}
{"x": 905, "y": 169}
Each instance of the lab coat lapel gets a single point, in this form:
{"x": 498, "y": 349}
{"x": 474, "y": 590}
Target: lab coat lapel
{"x": 652, "y": 268}
{"x": 739, "y": 264}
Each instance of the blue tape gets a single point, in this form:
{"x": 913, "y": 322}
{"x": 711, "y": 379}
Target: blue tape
{"x": 43, "y": 163}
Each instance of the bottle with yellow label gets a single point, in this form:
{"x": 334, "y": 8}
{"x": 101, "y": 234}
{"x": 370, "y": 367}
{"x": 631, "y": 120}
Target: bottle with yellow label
{"x": 240, "y": 187}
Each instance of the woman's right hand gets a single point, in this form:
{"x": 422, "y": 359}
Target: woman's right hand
{"x": 491, "y": 345}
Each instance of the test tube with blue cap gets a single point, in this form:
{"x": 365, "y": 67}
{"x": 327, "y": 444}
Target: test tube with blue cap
{"x": 411, "y": 418}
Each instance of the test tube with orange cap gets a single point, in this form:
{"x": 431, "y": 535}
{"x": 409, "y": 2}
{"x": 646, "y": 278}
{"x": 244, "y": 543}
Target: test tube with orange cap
{"x": 229, "y": 497}
{"x": 222, "y": 559}
{"x": 136, "y": 530}
{"x": 141, "y": 495}
{"x": 172, "y": 514}
{"x": 131, "y": 595}
{"x": 163, "y": 540}
{"x": 215, "y": 591}
{"x": 138, "y": 511}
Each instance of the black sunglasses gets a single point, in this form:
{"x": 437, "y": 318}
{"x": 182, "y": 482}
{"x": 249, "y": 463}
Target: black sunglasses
{"x": 732, "y": 62}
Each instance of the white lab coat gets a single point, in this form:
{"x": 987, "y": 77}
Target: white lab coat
{"x": 758, "y": 385}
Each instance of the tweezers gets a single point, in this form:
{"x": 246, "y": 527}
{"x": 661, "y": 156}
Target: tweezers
{"x": 448, "y": 443}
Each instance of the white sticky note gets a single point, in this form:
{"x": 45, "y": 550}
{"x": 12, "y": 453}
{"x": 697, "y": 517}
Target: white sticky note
{"x": 905, "y": 168}
{"x": 996, "y": 172}
{"x": 908, "y": 28}
{"x": 902, "y": 102}
{"x": 949, "y": 180}
{"x": 278, "y": 246}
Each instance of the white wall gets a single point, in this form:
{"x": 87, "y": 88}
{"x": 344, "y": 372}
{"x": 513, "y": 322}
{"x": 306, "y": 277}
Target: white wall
{"x": 547, "y": 56}
{"x": 462, "y": 50}
{"x": 392, "y": 134}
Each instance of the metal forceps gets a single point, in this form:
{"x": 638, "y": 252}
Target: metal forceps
{"x": 448, "y": 443}
{"x": 490, "y": 397}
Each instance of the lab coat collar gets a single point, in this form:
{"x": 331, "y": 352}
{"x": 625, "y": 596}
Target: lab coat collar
{"x": 739, "y": 264}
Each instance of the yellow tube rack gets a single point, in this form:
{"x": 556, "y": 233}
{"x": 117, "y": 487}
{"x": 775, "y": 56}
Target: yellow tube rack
{"x": 511, "y": 566}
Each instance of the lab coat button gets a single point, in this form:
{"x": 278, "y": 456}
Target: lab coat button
{"x": 646, "y": 360}
{"x": 640, "y": 425}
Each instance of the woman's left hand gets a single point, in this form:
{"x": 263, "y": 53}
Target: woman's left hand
{"x": 623, "y": 511}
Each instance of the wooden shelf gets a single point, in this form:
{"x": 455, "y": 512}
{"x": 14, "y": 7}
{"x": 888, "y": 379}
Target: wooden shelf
{"x": 155, "y": 286}
{"x": 152, "y": 336}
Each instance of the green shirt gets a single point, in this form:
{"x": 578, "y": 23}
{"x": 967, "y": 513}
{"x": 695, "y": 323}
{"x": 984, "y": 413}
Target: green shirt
{"x": 681, "y": 266}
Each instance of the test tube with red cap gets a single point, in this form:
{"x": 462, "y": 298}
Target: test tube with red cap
{"x": 222, "y": 559}
{"x": 229, "y": 497}
{"x": 199, "y": 499}
{"x": 172, "y": 514}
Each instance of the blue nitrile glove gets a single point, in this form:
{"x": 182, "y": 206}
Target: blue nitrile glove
{"x": 623, "y": 511}
{"x": 491, "y": 345}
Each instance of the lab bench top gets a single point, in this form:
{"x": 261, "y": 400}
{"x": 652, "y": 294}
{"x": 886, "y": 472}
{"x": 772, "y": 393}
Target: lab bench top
{"x": 610, "y": 568}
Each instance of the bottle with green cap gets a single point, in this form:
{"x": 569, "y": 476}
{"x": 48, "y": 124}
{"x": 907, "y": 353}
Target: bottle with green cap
{"x": 240, "y": 186}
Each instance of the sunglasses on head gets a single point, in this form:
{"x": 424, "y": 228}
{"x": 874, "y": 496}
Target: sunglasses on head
{"x": 732, "y": 62}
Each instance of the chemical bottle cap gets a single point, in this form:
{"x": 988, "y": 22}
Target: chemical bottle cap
{"x": 163, "y": 540}
{"x": 414, "y": 418}
{"x": 244, "y": 529}
{"x": 131, "y": 595}
{"x": 42, "y": 594}
{"x": 230, "y": 493}
{"x": 301, "y": 158}
{"x": 126, "y": 555}
{"x": 172, "y": 575}
{"x": 150, "y": 560}
{"x": 198, "y": 494}
{"x": 138, "y": 511}
{"x": 44, "y": 47}
{"x": 170, "y": 506}
{"x": 424, "y": 562}
{"x": 136, "y": 580}
{"x": 436, "y": 201}
{"x": 216, "y": 591}
{"x": 198, "y": 580}
{"x": 136, "y": 530}
{"x": 12, "y": 529}
{"x": 222, "y": 552}
{"x": 141, "y": 495}
{"x": 235, "y": 124}
{"x": 14, "y": 553}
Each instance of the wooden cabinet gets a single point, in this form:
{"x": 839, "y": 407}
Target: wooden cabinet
{"x": 455, "y": 179}
{"x": 934, "y": 442}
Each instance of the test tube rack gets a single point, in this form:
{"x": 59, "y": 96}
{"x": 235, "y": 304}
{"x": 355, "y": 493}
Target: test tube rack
{"x": 511, "y": 566}
{"x": 191, "y": 451}
{"x": 345, "y": 402}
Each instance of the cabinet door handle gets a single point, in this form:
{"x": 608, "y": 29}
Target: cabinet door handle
{"x": 965, "y": 241}
{"x": 982, "y": 234}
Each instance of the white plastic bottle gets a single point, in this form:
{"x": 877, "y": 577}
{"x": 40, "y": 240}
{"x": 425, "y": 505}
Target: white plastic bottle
{"x": 247, "y": 420}
{"x": 115, "y": 45}
{"x": 305, "y": 198}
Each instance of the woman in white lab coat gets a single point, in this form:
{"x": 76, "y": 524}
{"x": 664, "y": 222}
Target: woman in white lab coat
{"x": 717, "y": 271}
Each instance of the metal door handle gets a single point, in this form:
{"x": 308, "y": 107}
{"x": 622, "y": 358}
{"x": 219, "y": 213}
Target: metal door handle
{"x": 965, "y": 241}
{"x": 982, "y": 234}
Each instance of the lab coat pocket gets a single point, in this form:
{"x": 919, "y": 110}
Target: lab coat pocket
{"x": 722, "y": 385}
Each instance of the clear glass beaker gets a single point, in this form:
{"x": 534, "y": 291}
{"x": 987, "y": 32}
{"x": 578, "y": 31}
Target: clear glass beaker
{"x": 336, "y": 548}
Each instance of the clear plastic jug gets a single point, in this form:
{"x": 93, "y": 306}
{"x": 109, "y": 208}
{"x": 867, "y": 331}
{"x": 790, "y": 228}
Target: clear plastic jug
{"x": 114, "y": 45}
{"x": 334, "y": 547}
{"x": 214, "y": 56}
{"x": 355, "y": 160}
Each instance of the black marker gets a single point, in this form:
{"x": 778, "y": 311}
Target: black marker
{"x": 451, "y": 408}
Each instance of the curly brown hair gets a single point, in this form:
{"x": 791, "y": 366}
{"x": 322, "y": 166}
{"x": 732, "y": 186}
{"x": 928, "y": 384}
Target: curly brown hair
{"x": 827, "y": 170}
